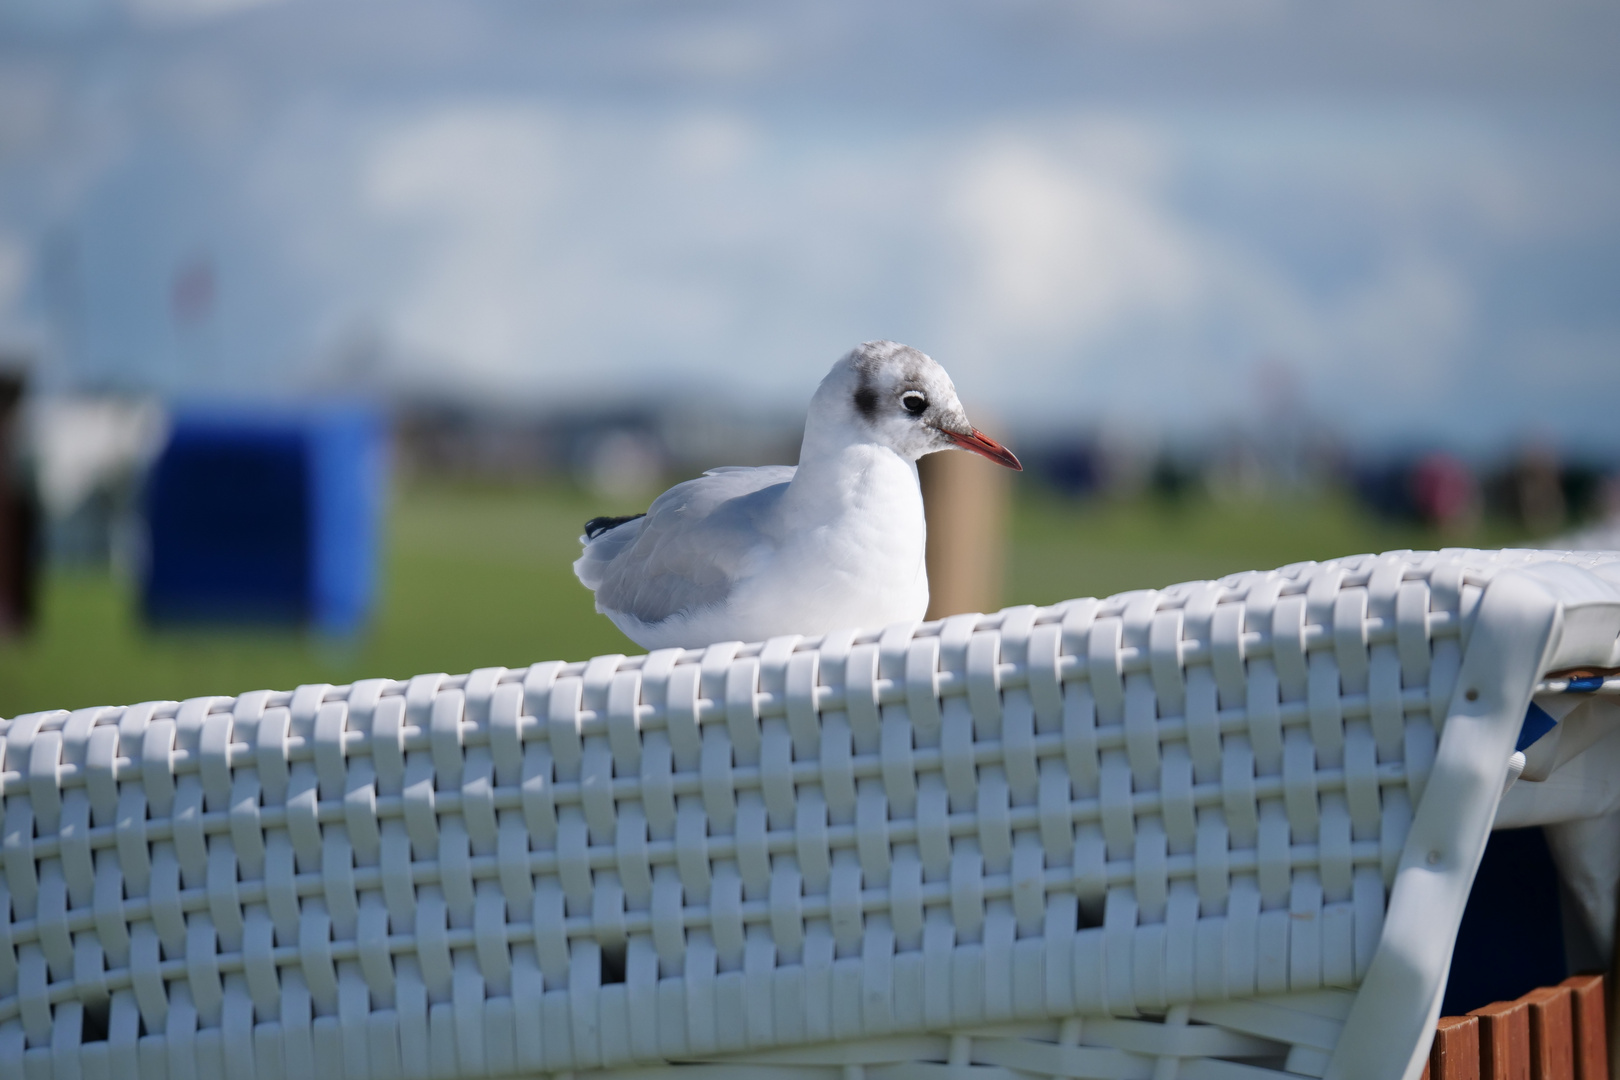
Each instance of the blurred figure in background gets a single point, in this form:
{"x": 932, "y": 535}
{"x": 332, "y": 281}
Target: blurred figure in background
{"x": 1445, "y": 494}
{"x": 1535, "y": 490}
{"x": 19, "y": 514}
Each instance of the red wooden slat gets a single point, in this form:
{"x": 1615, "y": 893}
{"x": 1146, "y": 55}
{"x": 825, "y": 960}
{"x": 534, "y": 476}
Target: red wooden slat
{"x": 1591, "y": 1036}
{"x": 1552, "y": 1034}
{"x": 1504, "y": 1041}
{"x": 1455, "y": 1054}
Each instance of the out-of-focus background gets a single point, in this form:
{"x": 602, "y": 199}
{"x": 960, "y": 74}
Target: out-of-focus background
{"x": 323, "y": 326}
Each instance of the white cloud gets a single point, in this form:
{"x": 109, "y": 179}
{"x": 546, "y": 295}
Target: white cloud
{"x": 721, "y": 48}
{"x": 544, "y": 248}
{"x": 1405, "y": 325}
{"x": 183, "y": 11}
{"x": 1181, "y": 18}
{"x": 1061, "y": 253}
{"x": 20, "y": 331}
{"x": 708, "y": 146}
{"x": 474, "y": 184}
{"x": 515, "y": 247}
{"x": 1088, "y": 289}
{"x": 620, "y": 215}
{"x": 14, "y": 266}
{"x": 30, "y": 95}
{"x": 472, "y": 162}
{"x": 1085, "y": 291}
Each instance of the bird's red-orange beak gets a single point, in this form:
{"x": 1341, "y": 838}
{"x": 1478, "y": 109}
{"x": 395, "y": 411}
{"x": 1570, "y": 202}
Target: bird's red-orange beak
{"x": 983, "y": 445}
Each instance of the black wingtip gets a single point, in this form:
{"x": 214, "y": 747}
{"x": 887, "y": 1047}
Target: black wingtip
{"x": 599, "y": 525}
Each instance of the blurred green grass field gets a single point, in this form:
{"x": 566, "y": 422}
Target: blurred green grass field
{"x": 480, "y": 575}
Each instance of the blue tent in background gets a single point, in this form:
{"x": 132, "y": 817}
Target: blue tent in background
{"x": 266, "y": 516}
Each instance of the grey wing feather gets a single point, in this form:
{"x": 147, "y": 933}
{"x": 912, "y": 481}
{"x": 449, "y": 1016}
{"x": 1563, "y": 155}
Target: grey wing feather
{"x": 689, "y": 549}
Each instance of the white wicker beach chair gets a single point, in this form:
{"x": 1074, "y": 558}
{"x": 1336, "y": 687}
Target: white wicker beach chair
{"x": 1224, "y": 831}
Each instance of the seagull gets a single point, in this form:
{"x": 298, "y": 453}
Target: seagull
{"x": 746, "y": 554}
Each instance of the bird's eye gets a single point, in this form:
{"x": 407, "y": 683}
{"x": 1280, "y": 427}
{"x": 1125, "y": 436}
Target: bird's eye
{"x": 914, "y": 402}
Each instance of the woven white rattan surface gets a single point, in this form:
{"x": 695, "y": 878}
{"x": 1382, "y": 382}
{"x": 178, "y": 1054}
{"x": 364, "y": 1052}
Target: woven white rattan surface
{"x": 1146, "y": 836}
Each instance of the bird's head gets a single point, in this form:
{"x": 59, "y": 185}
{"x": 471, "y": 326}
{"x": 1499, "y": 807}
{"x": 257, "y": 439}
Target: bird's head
{"x": 896, "y": 396}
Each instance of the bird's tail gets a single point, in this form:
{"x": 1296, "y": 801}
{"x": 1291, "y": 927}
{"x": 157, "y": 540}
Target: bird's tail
{"x": 599, "y": 525}
{"x": 604, "y": 539}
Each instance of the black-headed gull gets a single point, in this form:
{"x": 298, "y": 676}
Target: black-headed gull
{"x": 745, "y": 554}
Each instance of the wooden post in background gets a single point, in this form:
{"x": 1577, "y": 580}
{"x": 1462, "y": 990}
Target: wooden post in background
{"x": 965, "y": 499}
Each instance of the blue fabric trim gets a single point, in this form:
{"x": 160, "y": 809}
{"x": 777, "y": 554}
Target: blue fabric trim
{"x": 1586, "y": 684}
{"x": 1537, "y": 722}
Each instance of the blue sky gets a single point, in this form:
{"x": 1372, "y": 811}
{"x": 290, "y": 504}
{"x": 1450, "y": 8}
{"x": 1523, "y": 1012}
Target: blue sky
{"x": 1144, "y": 215}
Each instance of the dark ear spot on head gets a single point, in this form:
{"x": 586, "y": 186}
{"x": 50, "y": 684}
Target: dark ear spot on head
{"x": 866, "y": 400}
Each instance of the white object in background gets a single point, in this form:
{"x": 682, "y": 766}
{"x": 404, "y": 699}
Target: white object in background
{"x": 1223, "y": 830}
{"x": 83, "y": 443}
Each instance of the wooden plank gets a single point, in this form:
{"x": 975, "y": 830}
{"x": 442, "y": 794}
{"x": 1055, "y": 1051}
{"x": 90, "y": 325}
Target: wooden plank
{"x": 1552, "y": 1034}
{"x": 1455, "y": 1053}
{"x": 1504, "y": 1040}
{"x": 1588, "y": 1011}
{"x": 965, "y": 504}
